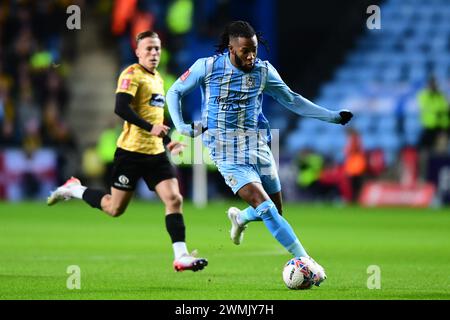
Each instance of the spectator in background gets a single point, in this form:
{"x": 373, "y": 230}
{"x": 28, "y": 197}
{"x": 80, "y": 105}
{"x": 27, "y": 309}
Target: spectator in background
{"x": 434, "y": 114}
{"x": 355, "y": 162}
{"x": 322, "y": 179}
{"x": 310, "y": 166}
{"x": 334, "y": 178}
{"x": 7, "y": 112}
{"x": 30, "y": 118}
{"x": 130, "y": 17}
{"x": 179, "y": 21}
{"x": 179, "y": 16}
{"x": 33, "y": 94}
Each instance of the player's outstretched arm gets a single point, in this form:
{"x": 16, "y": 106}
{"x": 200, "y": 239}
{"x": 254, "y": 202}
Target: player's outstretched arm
{"x": 191, "y": 79}
{"x": 276, "y": 88}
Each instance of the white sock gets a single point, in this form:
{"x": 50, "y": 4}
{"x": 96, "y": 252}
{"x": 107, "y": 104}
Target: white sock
{"x": 179, "y": 249}
{"x": 77, "y": 191}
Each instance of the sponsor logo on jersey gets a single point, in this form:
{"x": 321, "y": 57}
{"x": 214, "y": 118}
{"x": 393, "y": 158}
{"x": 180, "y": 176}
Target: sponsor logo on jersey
{"x": 130, "y": 70}
{"x": 157, "y": 100}
{"x": 124, "y": 180}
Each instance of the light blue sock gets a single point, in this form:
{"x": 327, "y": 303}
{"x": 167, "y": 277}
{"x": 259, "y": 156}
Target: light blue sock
{"x": 280, "y": 228}
{"x": 248, "y": 214}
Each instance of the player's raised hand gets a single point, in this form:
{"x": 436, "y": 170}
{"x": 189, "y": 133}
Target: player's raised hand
{"x": 345, "y": 116}
{"x": 176, "y": 147}
{"x": 159, "y": 130}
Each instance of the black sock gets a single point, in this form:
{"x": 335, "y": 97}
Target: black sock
{"x": 94, "y": 197}
{"x": 175, "y": 227}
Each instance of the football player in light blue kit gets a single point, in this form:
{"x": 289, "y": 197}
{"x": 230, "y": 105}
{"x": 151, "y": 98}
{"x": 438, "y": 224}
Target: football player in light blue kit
{"x": 232, "y": 85}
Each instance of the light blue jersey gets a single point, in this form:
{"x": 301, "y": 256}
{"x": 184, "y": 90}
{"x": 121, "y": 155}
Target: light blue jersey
{"x": 232, "y": 99}
{"x": 238, "y": 131}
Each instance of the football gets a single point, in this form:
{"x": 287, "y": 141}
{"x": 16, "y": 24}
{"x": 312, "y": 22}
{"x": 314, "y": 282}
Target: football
{"x": 297, "y": 274}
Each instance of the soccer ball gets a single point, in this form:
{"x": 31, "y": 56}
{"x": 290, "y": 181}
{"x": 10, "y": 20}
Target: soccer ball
{"x": 298, "y": 273}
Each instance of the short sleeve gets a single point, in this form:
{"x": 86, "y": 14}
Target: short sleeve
{"x": 128, "y": 82}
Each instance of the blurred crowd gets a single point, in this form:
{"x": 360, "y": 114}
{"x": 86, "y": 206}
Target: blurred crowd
{"x": 34, "y": 96}
{"x": 36, "y": 53}
{"x": 434, "y": 117}
{"x": 37, "y": 50}
{"x": 33, "y": 92}
{"x": 128, "y": 18}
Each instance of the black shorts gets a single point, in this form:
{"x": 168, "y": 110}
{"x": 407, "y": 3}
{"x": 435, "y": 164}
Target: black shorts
{"x": 129, "y": 167}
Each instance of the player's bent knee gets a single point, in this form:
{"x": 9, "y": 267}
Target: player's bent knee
{"x": 178, "y": 200}
{"x": 175, "y": 200}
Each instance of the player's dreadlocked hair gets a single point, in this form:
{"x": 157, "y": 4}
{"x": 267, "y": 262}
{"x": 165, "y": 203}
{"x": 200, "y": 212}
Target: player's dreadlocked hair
{"x": 238, "y": 29}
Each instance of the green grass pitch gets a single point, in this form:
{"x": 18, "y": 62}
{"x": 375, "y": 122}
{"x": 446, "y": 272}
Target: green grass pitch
{"x": 131, "y": 257}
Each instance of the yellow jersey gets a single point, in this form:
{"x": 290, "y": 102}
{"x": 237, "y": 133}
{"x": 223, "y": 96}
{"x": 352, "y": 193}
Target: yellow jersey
{"x": 148, "y": 102}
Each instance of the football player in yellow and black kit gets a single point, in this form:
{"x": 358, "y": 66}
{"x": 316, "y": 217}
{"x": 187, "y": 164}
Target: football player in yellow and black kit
{"x": 140, "y": 151}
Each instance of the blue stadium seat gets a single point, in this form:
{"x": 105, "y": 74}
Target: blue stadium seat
{"x": 391, "y": 144}
{"x": 369, "y": 140}
{"x": 309, "y": 126}
{"x": 329, "y": 145}
{"x": 412, "y": 128}
{"x": 386, "y": 123}
{"x": 362, "y": 122}
{"x": 381, "y": 77}
{"x": 412, "y": 137}
{"x": 297, "y": 141}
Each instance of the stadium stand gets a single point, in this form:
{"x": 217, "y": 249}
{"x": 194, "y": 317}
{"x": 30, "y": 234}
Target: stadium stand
{"x": 381, "y": 77}
{"x": 35, "y": 138}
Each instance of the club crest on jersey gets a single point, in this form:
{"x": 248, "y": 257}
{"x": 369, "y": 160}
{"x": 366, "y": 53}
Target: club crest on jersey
{"x": 157, "y": 100}
{"x": 250, "y": 81}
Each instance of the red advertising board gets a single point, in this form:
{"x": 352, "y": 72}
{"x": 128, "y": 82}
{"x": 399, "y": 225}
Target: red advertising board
{"x": 376, "y": 194}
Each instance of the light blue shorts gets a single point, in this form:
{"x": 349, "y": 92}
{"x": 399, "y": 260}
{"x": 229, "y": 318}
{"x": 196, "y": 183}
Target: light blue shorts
{"x": 264, "y": 171}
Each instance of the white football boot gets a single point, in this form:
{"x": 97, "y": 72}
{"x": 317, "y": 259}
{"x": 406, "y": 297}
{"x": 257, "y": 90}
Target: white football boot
{"x": 237, "y": 230}
{"x": 63, "y": 193}
{"x": 319, "y": 273}
{"x": 189, "y": 262}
